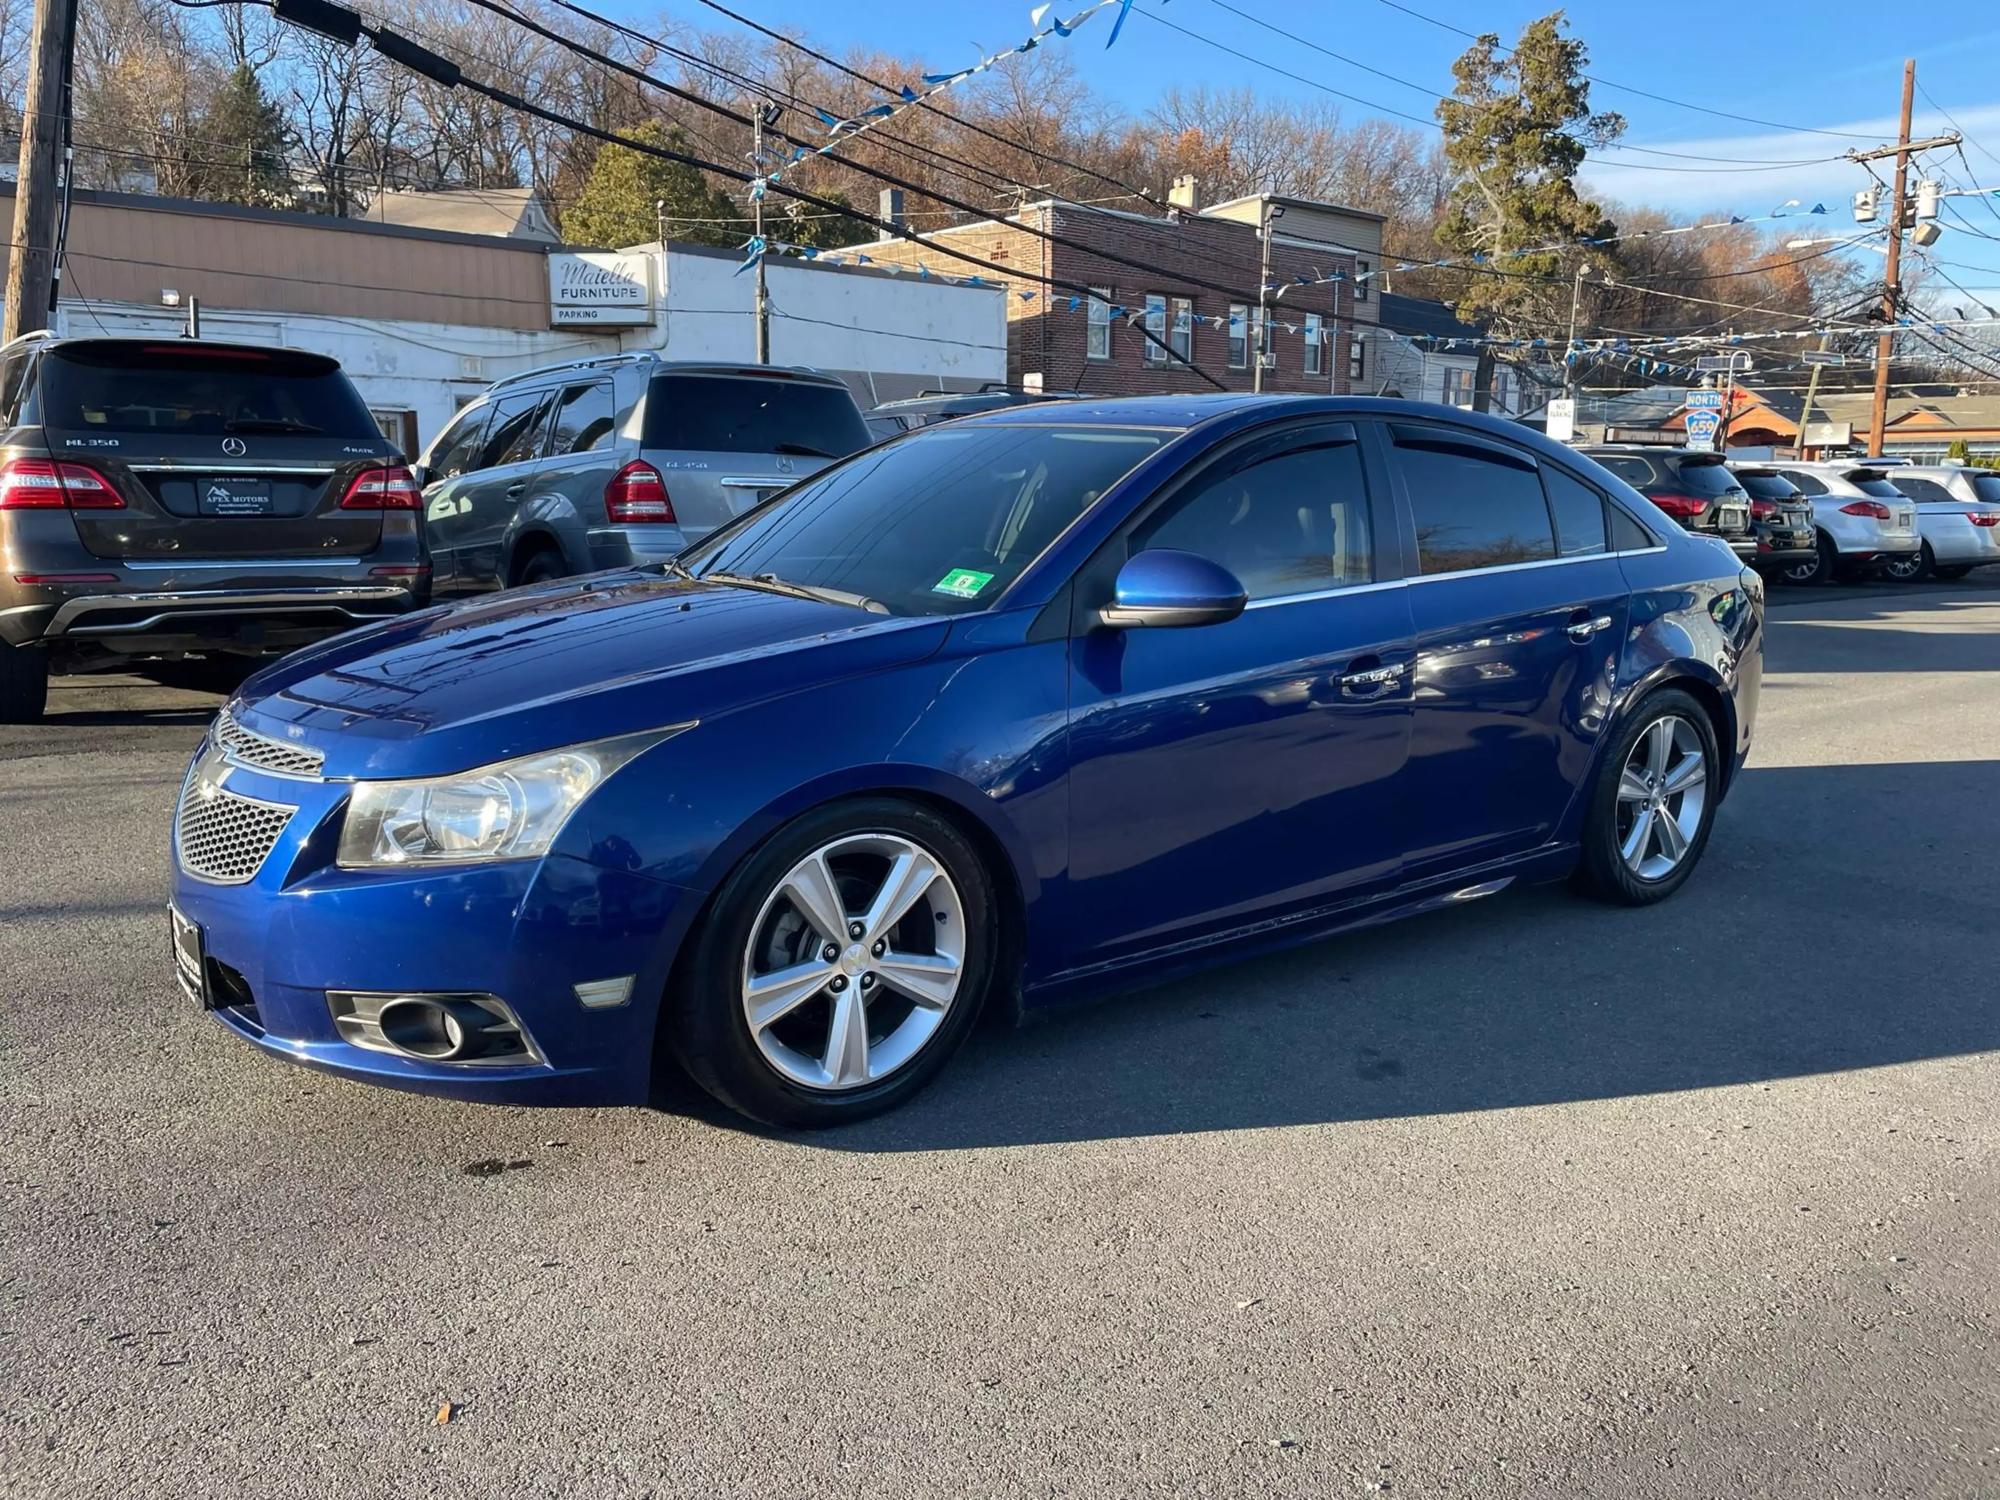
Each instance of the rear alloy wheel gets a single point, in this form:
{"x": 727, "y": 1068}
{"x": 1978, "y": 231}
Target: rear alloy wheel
{"x": 24, "y": 684}
{"x": 1911, "y": 569}
{"x": 545, "y": 566}
{"x": 1821, "y": 569}
{"x": 843, "y": 964}
{"x": 1653, "y": 804}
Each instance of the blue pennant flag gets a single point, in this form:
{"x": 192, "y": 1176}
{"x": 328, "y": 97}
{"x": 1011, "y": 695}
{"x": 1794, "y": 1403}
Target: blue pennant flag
{"x": 1736, "y": 218}
{"x": 1818, "y": 208}
{"x": 1118, "y": 25}
{"x": 831, "y": 122}
{"x": 938, "y": 79}
{"x": 909, "y": 94}
{"x": 862, "y": 260}
{"x": 1074, "y": 303}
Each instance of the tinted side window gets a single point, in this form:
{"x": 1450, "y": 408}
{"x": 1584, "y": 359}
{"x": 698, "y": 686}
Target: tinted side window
{"x": 1808, "y": 484}
{"x": 516, "y": 433}
{"x": 1627, "y": 535}
{"x": 12, "y": 368}
{"x": 586, "y": 417}
{"x": 1293, "y": 523}
{"x": 1926, "y": 490}
{"x": 1637, "y": 472}
{"x": 745, "y": 414}
{"x": 1579, "y": 513}
{"x": 457, "y": 448}
{"x": 1473, "y": 508}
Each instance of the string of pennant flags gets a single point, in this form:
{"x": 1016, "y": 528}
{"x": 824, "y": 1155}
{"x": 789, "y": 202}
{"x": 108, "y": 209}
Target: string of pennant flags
{"x": 844, "y": 129}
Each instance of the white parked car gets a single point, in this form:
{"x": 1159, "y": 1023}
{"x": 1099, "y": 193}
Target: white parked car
{"x": 1958, "y": 514}
{"x": 1863, "y": 523}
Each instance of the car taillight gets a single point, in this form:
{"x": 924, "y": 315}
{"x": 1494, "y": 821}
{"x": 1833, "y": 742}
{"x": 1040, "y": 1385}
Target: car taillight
{"x": 1680, "y": 505}
{"x": 1763, "y": 507}
{"x": 1983, "y": 517}
{"x": 393, "y": 488}
{"x": 1873, "y": 508}
{"x": 41, "y": 484}
{"x": 637, "y": 496}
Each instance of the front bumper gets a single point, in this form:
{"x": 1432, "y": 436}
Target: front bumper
{"x": 527, "y": 932}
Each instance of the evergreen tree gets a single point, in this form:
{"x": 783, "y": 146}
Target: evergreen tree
{"x": 243, "y": 160}
{"x": 1516, "y": 127}
{"x": 804, "y": 224}
{"x": 620, "y": 201}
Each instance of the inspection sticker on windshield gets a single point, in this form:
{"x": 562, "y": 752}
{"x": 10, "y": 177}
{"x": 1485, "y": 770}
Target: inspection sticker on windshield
{"x": 962, "y": 583}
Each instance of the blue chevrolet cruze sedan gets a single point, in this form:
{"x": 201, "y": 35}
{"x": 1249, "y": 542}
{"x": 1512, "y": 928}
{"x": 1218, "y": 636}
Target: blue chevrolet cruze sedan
{"x": 1001, "y": 713}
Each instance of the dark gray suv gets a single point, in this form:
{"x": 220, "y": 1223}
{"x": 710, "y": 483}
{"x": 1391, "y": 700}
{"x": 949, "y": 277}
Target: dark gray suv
{"x": 169, "y": 499}
{"x": 604, "y": 463}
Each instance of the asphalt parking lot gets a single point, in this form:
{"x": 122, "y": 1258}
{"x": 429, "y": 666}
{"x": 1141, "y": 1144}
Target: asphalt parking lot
{"x": 1530, "y": 1198}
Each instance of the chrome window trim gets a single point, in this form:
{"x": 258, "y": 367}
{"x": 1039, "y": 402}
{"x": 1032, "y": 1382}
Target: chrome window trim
{"x": 1393, "y": 583}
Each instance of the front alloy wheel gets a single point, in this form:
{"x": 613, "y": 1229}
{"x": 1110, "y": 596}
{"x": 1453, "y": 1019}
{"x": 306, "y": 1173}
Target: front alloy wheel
{"x": 854, "y": 962}
{"x": 838, "y": 966}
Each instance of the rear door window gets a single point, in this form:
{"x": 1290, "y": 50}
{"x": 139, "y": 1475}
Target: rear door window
{"x": 458, "y": 447}
{"x": 128, "y": 386}
{"x": 516, "y": 433}
{"x": 585, "y": 420}
{"x": 745, "y": 414}
{"x": 1579, "y": 513}
{"x": 1476, "y": 505}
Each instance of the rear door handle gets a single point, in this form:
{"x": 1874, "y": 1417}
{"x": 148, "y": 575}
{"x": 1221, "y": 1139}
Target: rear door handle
{"x": 1581, "y": 631}
{"x": 514, "y": 489}
{"x": 1374, "y": 682}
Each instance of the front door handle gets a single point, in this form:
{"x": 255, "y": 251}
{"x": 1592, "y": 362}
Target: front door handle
{"x": 514, "y": 489}
{"x": 1581, "y": 631}
{"x": 1374, "y": 682}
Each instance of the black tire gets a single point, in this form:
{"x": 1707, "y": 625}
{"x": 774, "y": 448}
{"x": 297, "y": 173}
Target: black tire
{"x": 703, "y": 1025}
{"x": 543, "y": 566}
{"x": 24, "y": 684}
{"x": 1824, "y": 565}
{"x": 1924, "y": 566}
{"x": 1601, "y": 871}
{"x": 1956, "y": 570}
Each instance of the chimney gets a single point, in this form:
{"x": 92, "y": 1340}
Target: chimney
{"x": 890, "y": 209}
{"x": 1186, "y": 195}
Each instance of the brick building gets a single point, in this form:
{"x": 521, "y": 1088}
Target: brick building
{"x": 1310, "y": 328}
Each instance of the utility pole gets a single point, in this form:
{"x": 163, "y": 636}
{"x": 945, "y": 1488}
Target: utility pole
{"x": 31, "y": 268}
{"x": 1257, "y": 335}
{"x": 1570, "y": 360}
{"x": 1892, "y": 291}
{"x": 766, "y": 115}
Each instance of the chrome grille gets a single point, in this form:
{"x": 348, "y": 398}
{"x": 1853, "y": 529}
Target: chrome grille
{"x": 221, "y": 837}
{"x": 262, "y": 753}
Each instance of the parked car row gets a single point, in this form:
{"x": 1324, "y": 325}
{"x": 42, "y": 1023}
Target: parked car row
{"x": 1804, "y": 522}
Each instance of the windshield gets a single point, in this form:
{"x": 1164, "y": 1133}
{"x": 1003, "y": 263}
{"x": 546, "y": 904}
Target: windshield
{"x": 1987, "y": 487}
{"x": 1706, "y": 479}
{"x": 1871, "y": 482}
{"x": 752, "y": 414}
{"x": 195, "y": 392}
{"x": 939, "y": 522}
{"x": 1768, "y": 486}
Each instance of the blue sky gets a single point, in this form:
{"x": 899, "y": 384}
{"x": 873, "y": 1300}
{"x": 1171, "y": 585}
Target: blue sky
{"x": 1828, "y": 64}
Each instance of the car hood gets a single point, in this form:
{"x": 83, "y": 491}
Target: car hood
{"x": 535, "y": 669}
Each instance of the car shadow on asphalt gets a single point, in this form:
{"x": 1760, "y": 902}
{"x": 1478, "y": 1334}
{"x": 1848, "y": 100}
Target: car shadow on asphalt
{"x": 1771, "y": 963}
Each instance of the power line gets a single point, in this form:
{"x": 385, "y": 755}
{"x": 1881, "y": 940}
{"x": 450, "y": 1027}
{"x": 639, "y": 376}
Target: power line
{"x": 1722, "y": 114}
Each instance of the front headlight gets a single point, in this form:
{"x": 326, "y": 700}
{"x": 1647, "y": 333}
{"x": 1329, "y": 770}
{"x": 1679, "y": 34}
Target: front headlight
{"x": 512, "y": 810}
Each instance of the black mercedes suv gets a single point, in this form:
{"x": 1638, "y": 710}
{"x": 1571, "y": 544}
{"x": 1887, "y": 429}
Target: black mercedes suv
{"x": 1694, "y": 487}
{"x": 165, "y": 501}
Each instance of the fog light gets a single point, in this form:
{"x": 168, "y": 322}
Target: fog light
{"x": 460, "y": 1028}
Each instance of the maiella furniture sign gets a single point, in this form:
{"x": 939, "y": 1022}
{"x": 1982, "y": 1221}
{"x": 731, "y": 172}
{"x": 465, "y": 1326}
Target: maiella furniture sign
{"x": 600, "y": 288}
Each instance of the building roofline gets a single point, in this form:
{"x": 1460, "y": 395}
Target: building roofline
{"x": 1288, "y": 201}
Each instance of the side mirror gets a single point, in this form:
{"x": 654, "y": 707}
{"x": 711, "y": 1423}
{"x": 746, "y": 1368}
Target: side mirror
{"x": 1163, "y": 587}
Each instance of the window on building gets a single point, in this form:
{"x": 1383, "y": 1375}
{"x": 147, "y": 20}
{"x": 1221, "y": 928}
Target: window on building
{"x": 1182, "y": 337}
{"x": 1239, "y": 336}
{"x": 1458, "y": 388}
{"x": 1357, "y": 362}
{"x": 399, "y": 427}
{"x": 1294, "y": 523}
{"x": 1475, "y": 506}
{"x": 1097, "y": 340}
{"x": 1314, "y": 336}
{"x": 1361, "y": 281}
{"x": 1156, "y": 325}
{"x": 585, "y": 419}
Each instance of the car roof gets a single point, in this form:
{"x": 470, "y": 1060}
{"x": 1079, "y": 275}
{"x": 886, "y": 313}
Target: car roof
{"x": 1248, "y": 408}
{"x": 1663, "y": 449}
{"x": 172, "y": 341}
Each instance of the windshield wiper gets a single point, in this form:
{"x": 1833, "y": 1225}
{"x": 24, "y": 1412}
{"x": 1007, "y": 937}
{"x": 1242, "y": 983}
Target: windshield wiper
{"x": 268, "y": 424}
{"x": 804, "y": 450}
{"x": 776, "y": 585}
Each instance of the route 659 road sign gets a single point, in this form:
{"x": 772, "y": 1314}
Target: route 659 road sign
{"x": 1701, "y": 428}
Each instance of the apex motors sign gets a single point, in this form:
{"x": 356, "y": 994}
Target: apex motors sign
{"x": 600, "y": 289}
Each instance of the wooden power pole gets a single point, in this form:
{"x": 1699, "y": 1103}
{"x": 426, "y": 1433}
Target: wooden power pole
{"x": 31, "y": 263}
{"x": 1892, "y": 291}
